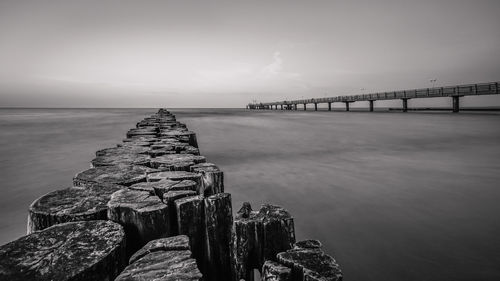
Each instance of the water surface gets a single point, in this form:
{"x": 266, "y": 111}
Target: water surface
{"x": 392, "y": 196}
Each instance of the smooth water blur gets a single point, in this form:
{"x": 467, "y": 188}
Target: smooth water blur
{"x": 42, "y": 149}
{"x": 393, "y": 196}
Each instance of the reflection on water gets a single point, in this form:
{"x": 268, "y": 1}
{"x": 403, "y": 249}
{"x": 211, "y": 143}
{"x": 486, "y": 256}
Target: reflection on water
{"x": 392, "y": 196}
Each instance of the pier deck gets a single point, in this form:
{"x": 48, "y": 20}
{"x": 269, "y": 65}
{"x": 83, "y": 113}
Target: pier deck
{"x": 455, "y": 92}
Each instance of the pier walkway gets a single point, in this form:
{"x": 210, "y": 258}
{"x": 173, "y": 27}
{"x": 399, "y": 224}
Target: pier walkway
{"x": 455, "y": 92}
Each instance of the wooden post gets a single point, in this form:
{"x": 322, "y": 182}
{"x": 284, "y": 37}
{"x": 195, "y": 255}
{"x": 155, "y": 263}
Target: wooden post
{"x": 371, "y": 105}
{"x": 182, "y": 135}
{"x": 169, "y": 199}
{"x": 176, "y": 176}
{"x": 162, "y": 259}
{"x": 258, "y": 236}
{"x": 308, "y": 262}
{"x": 273, "y": 271}
{"x": 159, "y": 188}
{"x": 190, "y": 223}
{"x": 315, "y": 107}
{"x": 70, "y": 204}
{"x": 83, "y": 250}
{"x": 305, "y": 107}
{"x": 212, "y": 178}
{"x": 218, "y": 222}
{"x": 173, "y": 243}
{"x": 121, "y": 175}
{"x": 329, "y": 106}
{"x": 143, "y": 216}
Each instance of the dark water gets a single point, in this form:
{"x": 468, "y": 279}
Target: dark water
{"x": 392, "y": 196}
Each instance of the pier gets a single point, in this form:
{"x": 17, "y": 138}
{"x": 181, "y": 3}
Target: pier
{"x": 453, "y": 92}
{"x": 153, "y": 208}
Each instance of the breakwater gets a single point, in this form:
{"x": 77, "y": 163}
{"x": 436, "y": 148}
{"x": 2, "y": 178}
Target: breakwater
{"x": 152, "y": 206}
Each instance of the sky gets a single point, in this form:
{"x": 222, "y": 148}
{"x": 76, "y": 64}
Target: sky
{"x": 228, "y": 53}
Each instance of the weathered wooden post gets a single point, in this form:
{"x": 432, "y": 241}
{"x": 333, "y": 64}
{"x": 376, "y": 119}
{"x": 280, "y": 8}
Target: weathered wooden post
{"x": 273, "y": 271}
{"x": 176, "y": 176}
{"x": 162, "y": 259}
{"x": 176, "y": 162}
{"x": 189, "y": 136}
{"x": 159, "y": 188}
{"x": 190, "y": 222}
{"x": 212, "y": 178}
{"x": 121, "y": 175}
{"x": 169, "y": 199}
{"x": 143, "y": 216}
{"x": 371, "y": 105}
{"x": 70, "y": 204}
{"x": 258, "y": 236}
{"x": 218, "y": 225}
{"x": 308, "y": 262}
{"x": 83, "y": 250}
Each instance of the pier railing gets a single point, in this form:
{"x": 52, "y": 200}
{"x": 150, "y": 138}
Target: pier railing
{"x": 455, "y": 92}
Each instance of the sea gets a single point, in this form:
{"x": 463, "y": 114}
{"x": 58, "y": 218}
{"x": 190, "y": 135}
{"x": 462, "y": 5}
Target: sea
{"x": 391, "y": 195}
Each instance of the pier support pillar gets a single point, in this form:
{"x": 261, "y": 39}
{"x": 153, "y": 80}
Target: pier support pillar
{"x": 371, "y": 105}
{"x": 347, "y": 105}
{"x": 456, "y": 103}
{"x": 295, "y": 106}
{"x": 405, "y": 105}
{"x": 329, "y": 106}
{"x": 315, "y": 107}
{"x": 281, "y": 106}
{"x": 305, "y": 108}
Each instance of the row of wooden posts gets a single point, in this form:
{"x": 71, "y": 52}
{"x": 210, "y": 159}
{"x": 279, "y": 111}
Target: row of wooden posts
{"x": 153, "y": 208}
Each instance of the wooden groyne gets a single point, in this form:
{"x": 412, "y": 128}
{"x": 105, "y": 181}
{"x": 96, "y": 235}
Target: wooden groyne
{"x": 153, "y": 208}
{"x": 453, "y": 92}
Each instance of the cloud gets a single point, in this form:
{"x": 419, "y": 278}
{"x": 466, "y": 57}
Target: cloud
{"x": 275, "y": 69}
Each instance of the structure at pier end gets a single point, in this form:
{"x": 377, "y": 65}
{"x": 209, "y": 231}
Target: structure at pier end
{"x": 153, "y": 208}
{"x": 453, "y": 92}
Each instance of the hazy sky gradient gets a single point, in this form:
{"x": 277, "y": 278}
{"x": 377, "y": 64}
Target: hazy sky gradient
{"x": 227, "y": 53}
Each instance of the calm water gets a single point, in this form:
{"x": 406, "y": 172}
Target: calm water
{"x": 392, "y": 196}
